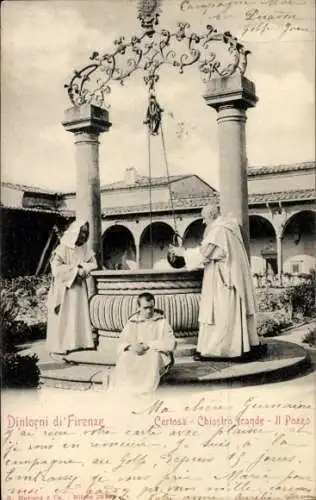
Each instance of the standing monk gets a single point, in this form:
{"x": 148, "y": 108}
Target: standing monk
{"x": 68, "y": 324}
{"x": 227, "y": 317}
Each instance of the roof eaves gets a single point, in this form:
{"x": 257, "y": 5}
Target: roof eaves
{"x": 31, "y": 189}
{"x": 197, "y": 203}
{"x": 64, "y": 213}
{"x": 282, "y": 196}
{"x": 268, "y": 169}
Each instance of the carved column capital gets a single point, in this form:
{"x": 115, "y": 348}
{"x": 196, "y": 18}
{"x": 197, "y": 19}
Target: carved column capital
{"x": 234, "y": 91}
{"x": 87, "y": 119}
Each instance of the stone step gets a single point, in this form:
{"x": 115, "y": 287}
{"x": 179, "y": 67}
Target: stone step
{"x": 186, "y": 350}
{"x": 185, "y": 346}
{"x": 98, "y": 357}
{"x": 280, "y": 361}
{"x": 108, "y": 356}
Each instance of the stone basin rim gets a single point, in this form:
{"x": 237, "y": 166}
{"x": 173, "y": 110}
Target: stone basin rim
{"x": 146, "y": 273}
{"x": 177, "y": 293}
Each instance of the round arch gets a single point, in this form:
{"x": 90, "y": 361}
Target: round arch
{"x": 119, "y": 250}
{"x": 263, "y": 247}
{"x": 153, "y": 247}
{"x": 302, "y": 219}
{"x": 298, "y": 242}
{"x": 193, "y": 234}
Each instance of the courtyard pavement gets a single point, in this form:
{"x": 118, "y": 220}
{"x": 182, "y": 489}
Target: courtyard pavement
{"x": 287, "y": 358}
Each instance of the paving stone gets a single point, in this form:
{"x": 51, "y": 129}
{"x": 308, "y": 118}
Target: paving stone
{"x": 281, "y": 359}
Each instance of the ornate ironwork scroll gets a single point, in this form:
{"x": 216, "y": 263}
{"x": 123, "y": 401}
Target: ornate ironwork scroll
{"x": 152, "y": 49}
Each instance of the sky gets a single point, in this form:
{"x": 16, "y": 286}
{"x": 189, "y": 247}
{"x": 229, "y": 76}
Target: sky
{"x": 43, "y": 41}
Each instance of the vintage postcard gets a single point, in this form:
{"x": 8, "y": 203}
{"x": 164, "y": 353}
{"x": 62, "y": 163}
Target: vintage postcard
{"x": 158, "y": 259}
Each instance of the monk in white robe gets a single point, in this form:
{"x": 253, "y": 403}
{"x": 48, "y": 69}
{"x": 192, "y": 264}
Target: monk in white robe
{"x": 227, "y": 316}
{"x": 68, "y": 323}
{"x": 145, "y": 349}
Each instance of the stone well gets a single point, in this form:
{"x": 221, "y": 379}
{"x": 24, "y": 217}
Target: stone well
{"x": 177, "y": 293}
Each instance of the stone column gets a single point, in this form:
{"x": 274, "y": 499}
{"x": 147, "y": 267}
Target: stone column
{"x": 137, "y": 257}
{"x": 86, "y": 123}
{"x": 231, "y": 97}
{"x": 279, "y": 256}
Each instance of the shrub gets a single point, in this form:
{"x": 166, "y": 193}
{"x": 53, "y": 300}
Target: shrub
{"x": 23, "y": 333}
{"x": 283, "y": 319}
{"x": 31, "y": 293}
{"x": 20, "y": 371}
{"x": 303, "y": 299}
{"x": 304, "y": 276}
{"x": 8, "y": 307}
{"x": 15, "y": 331}
{"x": 272, "y": 324}
{"x": 310, "y": 337}
{"x": 312, "y": 273}
{"x": 17, "y": 371}
{"x": 266, "y": 327}
{"x": 298, "y": 300}
{"x": 8, "y": 314}
{"x": 274, "y": 300}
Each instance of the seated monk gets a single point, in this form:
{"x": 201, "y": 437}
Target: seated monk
{"x": 145, "y": 350}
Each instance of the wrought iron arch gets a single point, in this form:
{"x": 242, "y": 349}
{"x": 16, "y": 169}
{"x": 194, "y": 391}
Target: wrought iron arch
{"x": 151, "y": 49}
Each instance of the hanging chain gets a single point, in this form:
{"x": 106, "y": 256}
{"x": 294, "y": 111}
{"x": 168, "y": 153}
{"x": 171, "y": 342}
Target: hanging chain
{"x": 164, "y": 149}
{"x": 150, "y": 201}
{"x": 154, "y": 125}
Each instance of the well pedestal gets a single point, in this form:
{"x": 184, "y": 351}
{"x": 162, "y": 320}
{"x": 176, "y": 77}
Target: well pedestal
{"x": 177, "y": 293}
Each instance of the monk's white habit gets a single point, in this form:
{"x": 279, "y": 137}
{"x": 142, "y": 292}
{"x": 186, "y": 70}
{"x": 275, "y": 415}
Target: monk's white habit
{"x": 227, "y": 314}
{"x": 68, "y": 323}
{"x": 141, "y": 374}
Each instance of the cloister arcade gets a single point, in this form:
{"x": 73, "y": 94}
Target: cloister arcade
{"x": 280, "y": 241}
{"x": 299, "y": 242}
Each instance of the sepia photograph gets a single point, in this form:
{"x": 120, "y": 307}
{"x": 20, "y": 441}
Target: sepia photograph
{"x": 158, "y": 264}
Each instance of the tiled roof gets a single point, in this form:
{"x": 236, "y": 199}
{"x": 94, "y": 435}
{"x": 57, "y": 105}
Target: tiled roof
{"x": 178, "y": 204}
{"x": 143, "y": 181}
{"x": 188, "y": 202}
{"x": 298, "y": 194}
{"x": 65, "y": 213}
{"x": 31, "y": 189}
{"x": 262, "y": 170}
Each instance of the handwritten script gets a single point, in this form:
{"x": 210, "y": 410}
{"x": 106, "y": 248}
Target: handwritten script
{"x": 259, "y": 19}
{"x": 199, "y": 450}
